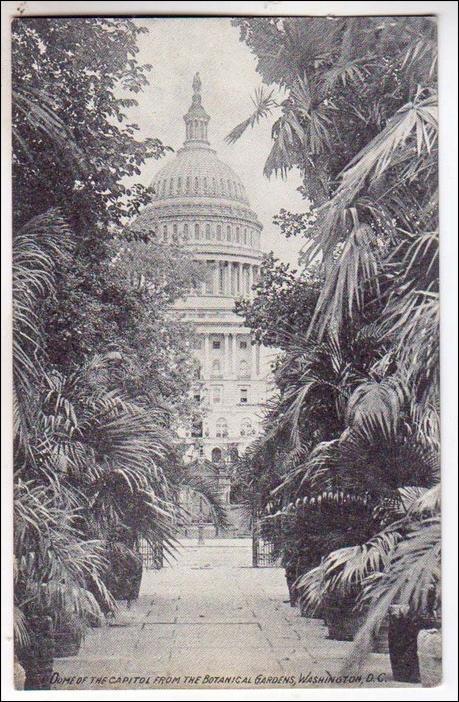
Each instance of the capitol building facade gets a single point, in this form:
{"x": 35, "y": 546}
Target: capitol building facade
{"x": 200, "y": 202}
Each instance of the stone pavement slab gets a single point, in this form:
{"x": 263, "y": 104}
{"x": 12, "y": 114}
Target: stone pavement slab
{"x": 209, "y": 613}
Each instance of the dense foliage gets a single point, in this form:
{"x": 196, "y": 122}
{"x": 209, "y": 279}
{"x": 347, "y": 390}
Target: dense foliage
{"x": 101, "y": 366}
{"x": 357, "y": 411}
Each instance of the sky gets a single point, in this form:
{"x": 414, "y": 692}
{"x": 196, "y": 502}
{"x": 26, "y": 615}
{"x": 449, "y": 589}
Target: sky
{"x": 179, "y": 47}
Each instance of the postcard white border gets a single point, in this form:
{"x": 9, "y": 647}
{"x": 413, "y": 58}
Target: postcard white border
{"x": 447, "y": 26}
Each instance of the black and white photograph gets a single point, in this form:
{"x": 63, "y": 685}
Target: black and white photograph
{"x": 225, "y": 341}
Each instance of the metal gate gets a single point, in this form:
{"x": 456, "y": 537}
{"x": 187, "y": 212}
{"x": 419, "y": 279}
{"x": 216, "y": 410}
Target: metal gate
{"x": 263, "y": 550}
{"x": 152, "y": 556}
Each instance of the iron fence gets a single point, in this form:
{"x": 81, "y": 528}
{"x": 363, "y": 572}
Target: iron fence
{"x": 152, "y": 556}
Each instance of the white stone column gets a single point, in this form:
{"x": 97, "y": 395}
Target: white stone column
{"x": 253, "y": 362}
{"x": 227, "y": 278}
{"x": 232, "y": 354}
{"x": 206, "y": 357}
{"x": 250, "y": 280}
{"x": 226, "y": 351}
{"x": 246, "y": 280}
{"x": 216, "y": 278}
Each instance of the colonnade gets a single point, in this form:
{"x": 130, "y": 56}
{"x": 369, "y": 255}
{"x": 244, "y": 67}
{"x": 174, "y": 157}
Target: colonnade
{"x": 228, "y": 278}
{"x": 231, "y": 357}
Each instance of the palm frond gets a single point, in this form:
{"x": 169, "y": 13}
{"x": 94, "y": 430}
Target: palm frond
{"x": 410, "y": 580}
{"x": 264, "y": 104}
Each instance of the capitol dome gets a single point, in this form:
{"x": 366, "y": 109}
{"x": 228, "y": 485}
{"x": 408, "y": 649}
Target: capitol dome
{"x": 200, "y": 203}
{"x": 198, "y": 199}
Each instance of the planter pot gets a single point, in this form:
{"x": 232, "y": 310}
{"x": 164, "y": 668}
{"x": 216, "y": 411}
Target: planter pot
{"x": 37, "y": 657}
{"x": 19, "y": 675}
{"x": 403, "y": 633}
{"x": 381, "y": 639}
{"x": 430, "y": 657}
{"x": 342, "y": 622}
{"x": 293, "y": 594}
{"x": 124, "y": 579}
{"x": 67, "y": 640}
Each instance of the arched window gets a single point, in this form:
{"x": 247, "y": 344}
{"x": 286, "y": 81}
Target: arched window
{"x": 196, "y": 231}
{"x": 165, "y": 232}
{"x": 214, "y": 186}
{"x": 217, "y": 394}
{"x": 245, "y": 236}
{"x": 179, "y": 185}
{"x": 228, "y": 233}
{"x": 174, "y": 233}
{"x": 216, "y": 368}
{"x": 216, "y": 455}
{"x": 243, "y": 369}
{"x": 221, "y": 428}
{"x": 196, "y": 185}
{"x": 246, "y": 428}
{"x": 188, "y": 184}
{"x": 219, "y": 232}
{"x": 207, "y": 231}
{"x": 163, "y": 188}
{"x": 205, "y": 185}
{"x": 185, "y": 231}
{"x": 238, "y": 234}
{"x": 171, "y": 186}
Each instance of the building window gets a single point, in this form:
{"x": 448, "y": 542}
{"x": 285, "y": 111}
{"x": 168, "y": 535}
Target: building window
{"x": 219, "y": 232}
{"x": 216, "y": 344}
{"x": 246, "y": 428}
{"x": 228, "y": 233}
{"x": 221, "y": 428}
{"x": 179, "y": 185}
{"x": 238, "y": 234}
{"x": 185, "y": 231}
{"x": 171, "y": 186}
{"x": 207, "y": 231}
{"x": 243, "y": 344}
{"x": 216, "y": 368}
{"x": 243, "y": 369}
{"x": 229, "y": 187}
{"x": 196, "y": 428}
{"x": 221, "y": 279}
{"x": 244, "y": 396}
{"x": 188, "y": 184}
{"x": 196, "y": 231}
{"x": 174, "y": 233}
{"x": 245, "y": 236}
{"x": 216, "y": 454}
{"x": 165, "y": 232}
{"x": 214, "y": 186}
{"x": 217, "y": 395}
{"x": 205, "y": 184}
{"x": 222, "y": 185}
{"x": 196, "y": 185}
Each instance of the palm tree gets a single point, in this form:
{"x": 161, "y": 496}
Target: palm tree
{"x": 359, "y": 118}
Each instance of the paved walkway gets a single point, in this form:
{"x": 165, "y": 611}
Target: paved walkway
{"x": 211, "y": 614}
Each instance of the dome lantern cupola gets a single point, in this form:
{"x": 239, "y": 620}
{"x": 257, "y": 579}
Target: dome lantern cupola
{"x": 196, "y": 119}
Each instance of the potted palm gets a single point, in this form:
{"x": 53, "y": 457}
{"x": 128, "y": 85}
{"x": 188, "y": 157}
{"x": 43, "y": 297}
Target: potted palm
{"x": 408, "y": 592}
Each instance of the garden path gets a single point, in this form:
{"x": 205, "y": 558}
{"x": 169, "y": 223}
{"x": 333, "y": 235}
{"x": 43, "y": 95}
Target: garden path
{"x": 210, "y": 614}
